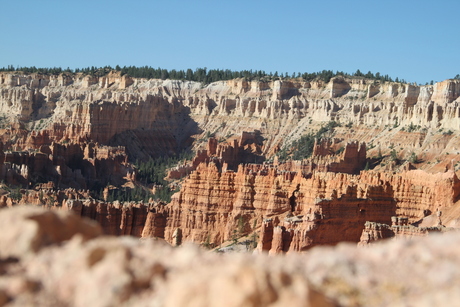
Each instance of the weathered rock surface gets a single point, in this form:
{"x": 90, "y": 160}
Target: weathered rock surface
{"x": 296, "y": 210}
{"x": 116, "y": 218}
{"x": 235, "y": 151}
{"x": 290, "y": 206}
{"x": 123, "y": 271}
{"x": 136, "y": 113}
{"x": 400, "y": 228}
{"x": 27, "y": 229}
{"x": 73, "y": 126}
{"x": 82, "y": 166}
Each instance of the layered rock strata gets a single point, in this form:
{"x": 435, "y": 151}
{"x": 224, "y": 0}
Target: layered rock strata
{"x": 67, "y": 122}
{"x": 289, "y": 206}
{"x": 295, "y": 211}
{"x": 137, "y": 112}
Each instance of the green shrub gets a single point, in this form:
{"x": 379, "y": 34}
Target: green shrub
{"x": 15, "y": 194}
{"x": 413, "y": 158}
{"x": 412, "y": 127}
{"x": 394, "y": 155}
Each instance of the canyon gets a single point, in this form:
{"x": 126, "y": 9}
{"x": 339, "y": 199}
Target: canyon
{"x": 387, "y": 168}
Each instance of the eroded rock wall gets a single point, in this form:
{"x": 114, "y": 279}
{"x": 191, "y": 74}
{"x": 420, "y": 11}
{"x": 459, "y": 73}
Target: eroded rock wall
{"x": 323, "y": 200}
{"x": 116, "y": 109}
{"x": 81, "y": 166}
{"x": 319, "y": 208}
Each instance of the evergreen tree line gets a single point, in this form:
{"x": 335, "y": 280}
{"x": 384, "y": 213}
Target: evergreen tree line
{"x": 203, "y": 75}
{"x": 40, "y": 70}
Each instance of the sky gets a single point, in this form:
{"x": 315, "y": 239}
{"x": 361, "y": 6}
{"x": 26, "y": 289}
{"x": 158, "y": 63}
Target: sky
{"x": 417, "y": 41}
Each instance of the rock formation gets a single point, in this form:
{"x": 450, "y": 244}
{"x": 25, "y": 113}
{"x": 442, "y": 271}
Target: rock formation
{"x": 57, "y": 259}
{"x": 26, "y": 230}
{"x": 228, "y": 154}
{"x": 135, "y": 113}
{"x": 388, "y": 169}
{"x": 290, "y": 206}
{"x": 400, "y": 228}
{"x": 80, "y": 166}
{"x": 82, "y": 132}
{"x": 310, "y": 208}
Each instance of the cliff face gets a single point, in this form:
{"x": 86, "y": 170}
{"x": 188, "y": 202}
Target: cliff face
{"x": 293, "y": 212}
{"x": 115, "y": 218}
{"x": 137, "y": 112}
{"x": 83, "y": 109}
{"x": 290, "y": 206}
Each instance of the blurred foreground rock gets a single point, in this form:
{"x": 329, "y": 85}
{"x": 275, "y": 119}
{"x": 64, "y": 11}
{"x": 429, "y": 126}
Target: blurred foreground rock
{"x": 126, "y": 271}
{"x": 26, "y": 229}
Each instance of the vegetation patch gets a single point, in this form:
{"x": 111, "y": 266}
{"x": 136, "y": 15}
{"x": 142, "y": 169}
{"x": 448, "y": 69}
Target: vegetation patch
{"x": 303, "y": 147}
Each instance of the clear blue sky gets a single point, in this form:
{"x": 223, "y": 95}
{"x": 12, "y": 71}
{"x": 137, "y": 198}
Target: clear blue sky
{"x": 414, "y": 40}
